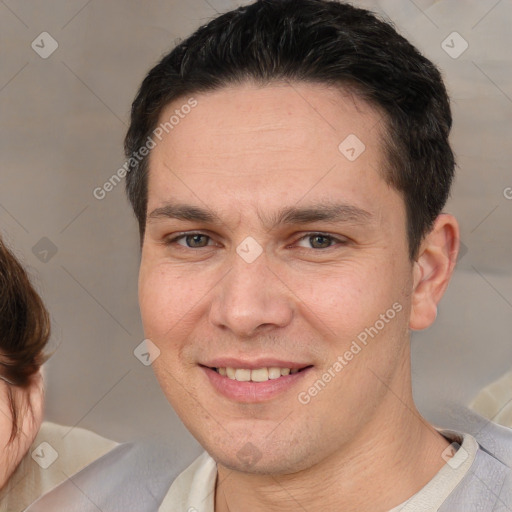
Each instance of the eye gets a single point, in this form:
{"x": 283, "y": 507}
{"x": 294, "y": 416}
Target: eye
{"x": 320, "y": 241}
{"x": 191, "y": 240}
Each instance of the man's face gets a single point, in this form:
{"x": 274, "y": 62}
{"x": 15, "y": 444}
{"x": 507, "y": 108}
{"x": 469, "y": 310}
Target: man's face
{"x": 273, "y": 279}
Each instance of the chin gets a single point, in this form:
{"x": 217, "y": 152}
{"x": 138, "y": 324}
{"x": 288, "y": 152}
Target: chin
{"x": 259, "y": 456}
{"x": 267, "y": 465}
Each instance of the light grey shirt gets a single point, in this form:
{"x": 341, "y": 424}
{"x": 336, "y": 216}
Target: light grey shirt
{"x": 478, "y": 478}
{"x": 194, "y": 489}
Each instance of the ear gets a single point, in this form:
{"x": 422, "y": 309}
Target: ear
{"x": 433, "y": 269}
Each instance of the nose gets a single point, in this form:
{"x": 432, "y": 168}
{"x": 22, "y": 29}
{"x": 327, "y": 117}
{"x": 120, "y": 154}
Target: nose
{"x": 251, "y": 299}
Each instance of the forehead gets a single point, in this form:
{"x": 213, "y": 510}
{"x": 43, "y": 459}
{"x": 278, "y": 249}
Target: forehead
{"x": 275, "y": 143}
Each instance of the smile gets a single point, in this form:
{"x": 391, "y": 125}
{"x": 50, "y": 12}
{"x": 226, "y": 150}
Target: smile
{"x": 257, "y": 384}
{"x": 256, "y": 374}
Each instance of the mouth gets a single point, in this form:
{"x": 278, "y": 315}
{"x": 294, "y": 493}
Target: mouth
{"x": 263, "y": 374}
{"x": 258, "y": 383}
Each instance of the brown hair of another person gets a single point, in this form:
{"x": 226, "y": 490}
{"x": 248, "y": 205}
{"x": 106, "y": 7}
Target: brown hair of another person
{"x": 24, "y": 328}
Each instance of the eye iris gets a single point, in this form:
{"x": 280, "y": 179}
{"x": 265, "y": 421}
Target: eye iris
{"x": 195, "y": 240}
{"x": 324, "y": 241}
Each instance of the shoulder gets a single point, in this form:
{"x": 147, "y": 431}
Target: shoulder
{"x": 496, "y": 442}
{"x": 75, "y": 446}
{"x": 488, "y": 483}
{"x": 57, "y": 453}
{"x": 131, "y": 476}
{"x": 486, "y": 486}
{"x": 495, "y": 401}
{"x": 62, "y": 450}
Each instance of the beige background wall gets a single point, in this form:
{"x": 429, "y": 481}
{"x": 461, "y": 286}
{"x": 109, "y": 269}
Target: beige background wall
{"x": 63, "y": 120}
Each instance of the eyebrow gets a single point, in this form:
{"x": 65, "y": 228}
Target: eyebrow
{"x": 335, "y": 213}
{"x": 330, "y": 212}
{"x": 184, "y": 212}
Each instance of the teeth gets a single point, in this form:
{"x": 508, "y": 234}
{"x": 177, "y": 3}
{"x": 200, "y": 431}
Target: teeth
{"x": 275, "y": 373}
{"x": 256, "y": 375}
{"x": 259, "y": 375}
{"x": 242, "y": 375}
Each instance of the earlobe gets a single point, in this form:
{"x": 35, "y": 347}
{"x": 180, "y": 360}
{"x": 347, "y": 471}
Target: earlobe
{"x": 432, "y": 270}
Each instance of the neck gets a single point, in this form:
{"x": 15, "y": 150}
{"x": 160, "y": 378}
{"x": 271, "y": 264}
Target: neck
{"x": 387, "y": 462}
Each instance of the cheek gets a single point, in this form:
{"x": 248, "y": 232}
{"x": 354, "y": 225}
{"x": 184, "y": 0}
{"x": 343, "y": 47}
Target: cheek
{"x": 7, "y": 464}
{"x": 5, "y": 423}
{"x": 351, "y": 297}
{"x": 158, "y": 298}
{"x": 169, "y": 298}
{"x": 12, "y": 451}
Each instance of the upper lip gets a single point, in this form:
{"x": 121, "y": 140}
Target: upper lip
{"x": 231, "y": 362}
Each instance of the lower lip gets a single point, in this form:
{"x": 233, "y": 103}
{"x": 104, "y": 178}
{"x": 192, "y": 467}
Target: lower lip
{"x": 251, "y": 392}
